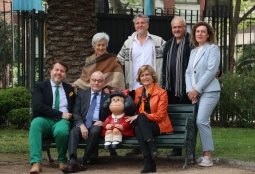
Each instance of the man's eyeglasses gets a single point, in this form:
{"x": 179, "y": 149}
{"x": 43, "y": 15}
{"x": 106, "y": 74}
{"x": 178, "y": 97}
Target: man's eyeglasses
{"x": 97, "y": 80}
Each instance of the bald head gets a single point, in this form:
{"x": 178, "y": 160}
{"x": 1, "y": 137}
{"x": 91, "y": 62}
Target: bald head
{"x": 97, "y": 81}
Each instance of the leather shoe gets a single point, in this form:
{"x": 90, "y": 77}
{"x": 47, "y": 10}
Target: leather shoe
{"x": 150, "y": 166}
{"x": 72, "y": 168}
{"x": 83, "y": 167}
{"x": 61, "y": 166}
{"x": 36, "y": 168}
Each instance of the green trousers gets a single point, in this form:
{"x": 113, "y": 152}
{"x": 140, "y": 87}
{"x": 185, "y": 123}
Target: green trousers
{"x": 42, "y": 127}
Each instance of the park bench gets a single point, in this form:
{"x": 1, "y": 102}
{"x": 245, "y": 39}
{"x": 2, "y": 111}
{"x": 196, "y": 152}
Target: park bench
{"x": 183, "y": 118}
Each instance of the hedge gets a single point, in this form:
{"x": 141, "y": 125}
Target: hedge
{"x": 13, "y": 98}
{"x": 237, "y": 102}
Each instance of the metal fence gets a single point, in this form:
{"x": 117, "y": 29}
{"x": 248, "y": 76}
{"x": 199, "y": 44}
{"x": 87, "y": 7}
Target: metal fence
{"x": 26, "y": 63}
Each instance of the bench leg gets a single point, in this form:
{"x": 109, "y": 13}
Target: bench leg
{"x": 186, "y": 158}
{"x": 49, "y": 155}
{"x": 194, "y": 147}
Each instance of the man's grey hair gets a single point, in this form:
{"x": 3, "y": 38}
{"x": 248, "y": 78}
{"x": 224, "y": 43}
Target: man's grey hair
{"x": 178, "y": 18}
{"x": 100, "y": 36}
{"x": 140, "y": 15}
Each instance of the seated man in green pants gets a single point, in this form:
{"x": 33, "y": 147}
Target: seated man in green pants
{"x": 52, "y": 104}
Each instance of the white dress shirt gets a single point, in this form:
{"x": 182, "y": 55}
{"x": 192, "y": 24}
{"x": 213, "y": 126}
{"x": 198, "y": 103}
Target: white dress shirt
{"x": 142, "y": 54}
{"x": 63, "y": 105}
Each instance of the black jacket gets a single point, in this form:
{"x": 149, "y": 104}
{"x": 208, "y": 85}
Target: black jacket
{"x": 186, "y": 54}
{"x": 42, "y": 100}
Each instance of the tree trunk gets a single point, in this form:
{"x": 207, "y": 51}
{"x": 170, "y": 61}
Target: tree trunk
{"x": 70, "y": 27}
{"x": 233, "y": 33}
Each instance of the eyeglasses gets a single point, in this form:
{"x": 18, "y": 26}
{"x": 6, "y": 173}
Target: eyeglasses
{"x": 97, "y": 80}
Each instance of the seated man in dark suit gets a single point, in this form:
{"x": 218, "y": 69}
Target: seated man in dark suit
{"x": 52, "y": 104}
{"x": 88, "y": 120}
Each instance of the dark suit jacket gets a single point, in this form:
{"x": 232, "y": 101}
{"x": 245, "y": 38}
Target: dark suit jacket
{"x": 42, "y": 100}
{"x": 81, "y": 106}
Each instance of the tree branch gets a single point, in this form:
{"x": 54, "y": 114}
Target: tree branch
{"x": 246, "y": 14}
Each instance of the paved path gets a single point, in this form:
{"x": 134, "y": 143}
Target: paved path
{"x": 18, "y": 164}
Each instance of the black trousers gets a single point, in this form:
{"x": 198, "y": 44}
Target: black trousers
{"x": 172, "y": 99}
{"x": 92, "y": 142}
{"x": 145, "y": 130}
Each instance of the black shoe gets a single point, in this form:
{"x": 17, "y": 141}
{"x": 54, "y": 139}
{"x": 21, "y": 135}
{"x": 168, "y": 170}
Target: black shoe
{"x": 175, "y": 152}
{"x": 153, "y": 170}
{"x": 83, "y": 167}
{"x": 133, "y": 152}
{"x": 72, "y": 168}
{"x": 149, "y": 165}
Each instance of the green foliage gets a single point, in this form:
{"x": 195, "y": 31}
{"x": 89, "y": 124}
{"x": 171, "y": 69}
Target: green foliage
{"x": 246, "y": 24}
{"x": 19, "y": 117}
{"x": 133, "y": 3}
{"x": 13, "y": 98}
{"x": 246, "y": 61}
{"x": 237, "y": 102}
{"x": 5, "y": 47}
{"x": 5, "y": 42}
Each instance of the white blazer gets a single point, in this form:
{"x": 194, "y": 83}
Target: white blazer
{"x": 204, "y": 68}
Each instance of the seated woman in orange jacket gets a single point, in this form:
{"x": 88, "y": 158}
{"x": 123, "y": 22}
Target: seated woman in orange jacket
{"x": 152, "y": 118}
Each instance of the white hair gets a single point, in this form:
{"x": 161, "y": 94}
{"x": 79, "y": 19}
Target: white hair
{"x": 178, "y": 18}
{"x": 100, "y": 36}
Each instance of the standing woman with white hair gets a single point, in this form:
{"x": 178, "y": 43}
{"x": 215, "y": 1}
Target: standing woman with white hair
{"x": 102, "y": 61}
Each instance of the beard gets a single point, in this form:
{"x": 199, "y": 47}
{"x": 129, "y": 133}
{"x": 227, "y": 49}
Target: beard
{"x": 140, "y": 32}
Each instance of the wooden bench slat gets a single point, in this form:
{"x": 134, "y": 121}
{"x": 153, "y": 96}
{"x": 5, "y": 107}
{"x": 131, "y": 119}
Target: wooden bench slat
{"x": 179, "y": 116}
{"x": 181, "y": 108}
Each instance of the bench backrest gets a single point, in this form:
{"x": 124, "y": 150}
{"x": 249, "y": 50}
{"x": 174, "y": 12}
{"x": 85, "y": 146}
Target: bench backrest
{"x": 179, "y": 113}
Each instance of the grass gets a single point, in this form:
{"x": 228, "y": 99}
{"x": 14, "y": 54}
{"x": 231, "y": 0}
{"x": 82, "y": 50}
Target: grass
{"x": 233, "y": 143}
{"x": 13, "y": 141}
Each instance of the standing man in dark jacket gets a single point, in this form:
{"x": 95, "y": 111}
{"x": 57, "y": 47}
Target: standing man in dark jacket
{"x": 52, "y": 104}
{"x": 176, "y": 58}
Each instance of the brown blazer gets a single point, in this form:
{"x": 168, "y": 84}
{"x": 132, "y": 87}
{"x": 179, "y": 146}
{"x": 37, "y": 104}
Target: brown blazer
{"x": 158, "y": 106}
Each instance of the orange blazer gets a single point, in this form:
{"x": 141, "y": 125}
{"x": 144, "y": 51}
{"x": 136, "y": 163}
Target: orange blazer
{"x": 158, "y": 106}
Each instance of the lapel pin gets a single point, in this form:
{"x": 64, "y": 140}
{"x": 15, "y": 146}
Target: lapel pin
{"x": 71, "y": 94}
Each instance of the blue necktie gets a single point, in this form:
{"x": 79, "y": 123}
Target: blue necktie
{"x": 91, "y": 110}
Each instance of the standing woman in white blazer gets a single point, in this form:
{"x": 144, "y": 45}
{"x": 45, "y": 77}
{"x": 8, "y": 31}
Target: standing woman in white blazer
{"x": 202, "y": 86}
